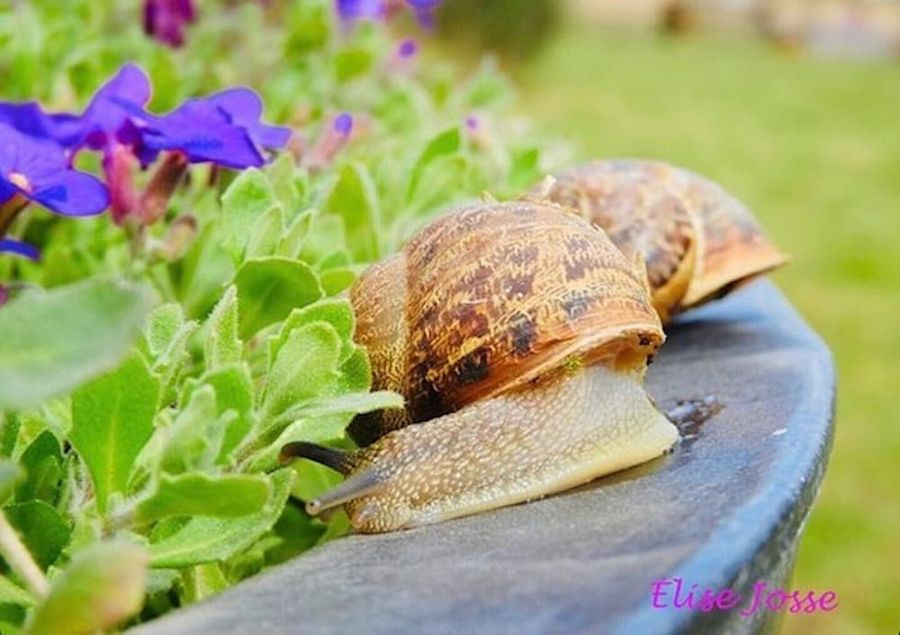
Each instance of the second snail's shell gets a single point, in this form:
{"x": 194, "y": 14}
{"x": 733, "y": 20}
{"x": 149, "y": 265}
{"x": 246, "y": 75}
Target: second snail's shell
{"x": 494, "y": 296}
{"x": 699, "y": 242}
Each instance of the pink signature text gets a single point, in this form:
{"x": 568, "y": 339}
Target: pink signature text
{"x": 675, "y": 593}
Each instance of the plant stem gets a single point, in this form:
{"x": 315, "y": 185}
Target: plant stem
{"x": 9, "y": 210}
{"x": 20, "y": 559}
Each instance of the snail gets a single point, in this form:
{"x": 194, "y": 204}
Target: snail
{"x": 519, "y": 336}
{"x": 699, "y": 242}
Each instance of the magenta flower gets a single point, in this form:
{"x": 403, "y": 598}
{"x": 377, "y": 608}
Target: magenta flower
{"x": 8, "y": 245}
{"x": 165, "y": 20}
{"x": 38, "y": 170}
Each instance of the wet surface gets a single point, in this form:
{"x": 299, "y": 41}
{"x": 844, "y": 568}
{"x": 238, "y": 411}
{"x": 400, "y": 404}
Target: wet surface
{"x": 723, "y": 509}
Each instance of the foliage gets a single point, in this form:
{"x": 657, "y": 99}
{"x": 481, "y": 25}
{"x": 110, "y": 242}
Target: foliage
{"x": 150, "y": 372}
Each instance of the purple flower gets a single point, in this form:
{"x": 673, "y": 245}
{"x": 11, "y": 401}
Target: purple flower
{"x": 224, "y": 128}
{"x": 38, "y": 170}
{"x": 8, "y": 245}
{"x": 30, "y": 118}
{"x": 165, "y": 20}
{"x": 407, "y": 48}
{"x": 114, "y": 113}
{"x": 343, "y": 124}
{"x": 424, "y": 11}
{"x": 350, "y": 11}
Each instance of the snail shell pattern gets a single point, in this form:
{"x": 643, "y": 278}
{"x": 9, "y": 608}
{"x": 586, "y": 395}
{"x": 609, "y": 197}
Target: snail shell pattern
{"x": 699, "y": 242}
{"x": 518, "y": 334}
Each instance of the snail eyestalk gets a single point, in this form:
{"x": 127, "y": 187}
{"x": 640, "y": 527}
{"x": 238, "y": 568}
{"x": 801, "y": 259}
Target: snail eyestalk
{"x": 338, "y": 460}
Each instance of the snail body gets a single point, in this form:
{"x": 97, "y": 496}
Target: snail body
{"x": 699, "y": 242}
{"x": 519, "y": 336}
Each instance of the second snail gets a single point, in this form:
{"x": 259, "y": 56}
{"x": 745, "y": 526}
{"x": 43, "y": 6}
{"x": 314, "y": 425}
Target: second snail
{"x": 519, "y": 334}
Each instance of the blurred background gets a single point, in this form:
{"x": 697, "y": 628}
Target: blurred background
{"x": 794, "y": 106}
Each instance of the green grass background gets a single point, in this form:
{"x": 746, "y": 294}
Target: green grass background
{"x": 813, "y": 146}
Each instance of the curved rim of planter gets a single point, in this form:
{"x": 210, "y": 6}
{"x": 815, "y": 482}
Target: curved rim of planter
{"x": 803, "y": 458}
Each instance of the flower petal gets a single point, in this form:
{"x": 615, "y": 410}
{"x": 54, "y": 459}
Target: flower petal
{"x": 8, "y": 245}
{"x": 72, "y": 193}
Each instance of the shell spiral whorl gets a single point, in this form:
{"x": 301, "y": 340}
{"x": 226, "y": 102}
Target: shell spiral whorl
{"x": 491, "y": 297}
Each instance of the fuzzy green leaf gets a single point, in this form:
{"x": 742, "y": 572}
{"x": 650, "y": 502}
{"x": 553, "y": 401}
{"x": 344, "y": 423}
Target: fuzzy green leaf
{"x": 282, "y": 173}
{"x": 246, "y": 199}
{"x": 233, "y": 386}
{"x": 42, "y": 528}
{"x": 269, "y": 288}
{"x": 112, "y": 419}
{"x": 102, "y": 586}
{"x": 194, "y": 439}
{"x": 11, "y": 593}
{"x": 53, "y": 342}
{"x": 355, "y": 199}
{"x": 206, "y": 539}
{"x": 199, "y": 494}
{"x": 446, "y": 143}
{"x": 336, "y": 311}
{"x": 9, "y": 474}
{"x": 291, "y": 242}
{"x": 222, "y": 345}
{"x": 267, "y": 233}
{"x": 42, "y": 462}
{"x": 305, "y": 368}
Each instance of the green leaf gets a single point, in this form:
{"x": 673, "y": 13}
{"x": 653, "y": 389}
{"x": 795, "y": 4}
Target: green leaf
{"x": 291, "y": 242}
{"x": 336, "y": 311}
{"x": 167, "y": 337}
{"x": 14, "y": 594}
{"x": 446, "y": 143}
{"x": 42, "y": 461}
{"x": 163, "y": 326}
{"x": 282, "y": 173}
{"x": 352, "y": 62}
{"x": 355, "y": 199}
{"x": 268, "y": 288}
{"x": 202, "y": 581}
{"x": 233, "y": 386}
{"x": 446, "y": 177}
{"x": 267, "y": 233}
{"x": 42, "y": 529}
{"x": 53, "y": 342}
{"x": 325, "y": 233}
{"x": 246, "y": 199}
{"x": 200, "y": 494}
{"x": 112, "y": 419}
{"x": 525, "y": 168}
{"x": 194, "y": 439}
{"x": 9, "y": 474}
{"x": 222, "y": 345}
{"x": 356, "y": 371}
{"x": 206, "y": 539}
{"x": 102, "y": 586}
{"x": 336, "y": 280}
{"x": 305, "y": 368}
{"x": 346, "y": 404}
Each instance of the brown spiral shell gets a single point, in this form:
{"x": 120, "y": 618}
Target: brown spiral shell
{"x": 698, "y": 241}
{"x": 491, "y": 297}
